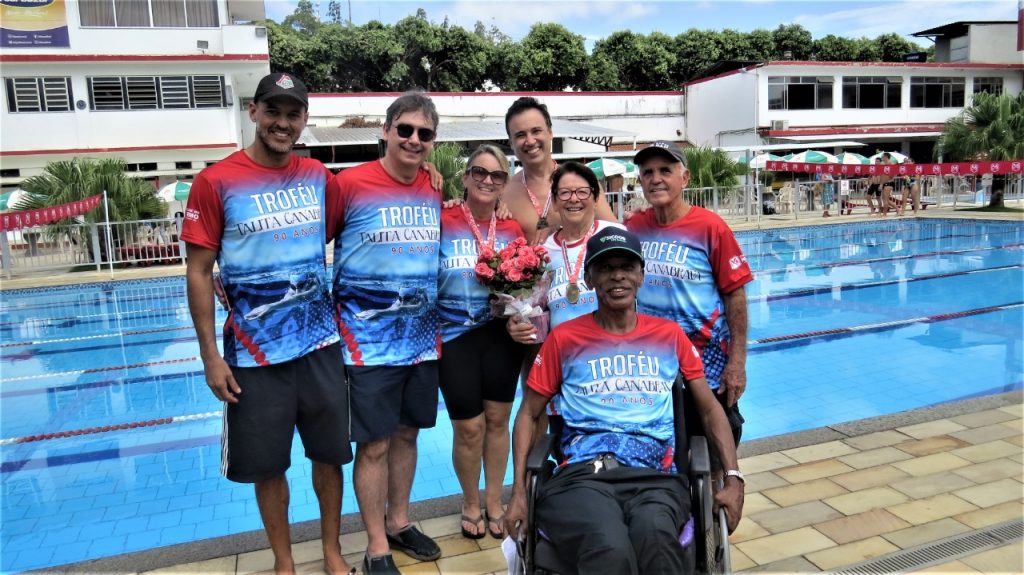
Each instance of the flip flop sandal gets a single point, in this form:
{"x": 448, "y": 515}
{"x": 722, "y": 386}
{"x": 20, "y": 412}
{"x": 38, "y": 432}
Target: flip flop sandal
{"x": 476, "y": 521}
{"x": 499, "y": 521}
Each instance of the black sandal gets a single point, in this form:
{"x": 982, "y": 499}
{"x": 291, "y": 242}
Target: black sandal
{"x": 476, "y": 521}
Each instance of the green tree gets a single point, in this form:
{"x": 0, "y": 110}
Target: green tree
{"x": 556, "y": 58}
{"x": 795, "y": 39}
{"x": 733, "y": 45}
{"x": 762, "y": 45}
{"x": 893, "y": 47}
{"x": 833, "y": 48}
{"x": 642, "y": 63}
{"x": 602, "y": 74}
{"x": 449, "y": 159}
{"x": 990, "y": 128}
{"x": 461, "y": 63}
{"x": 129, "y": 199}
{"x": 509, "y": 68}
{"x": 711, "y": 167}
{"x": 302, "y": 19}
{"x": 867, "y": 50}
{"x": 696, "y": 51}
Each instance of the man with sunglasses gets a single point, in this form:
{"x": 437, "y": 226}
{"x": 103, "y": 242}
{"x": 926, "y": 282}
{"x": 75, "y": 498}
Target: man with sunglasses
{"x": 386, "y": 246}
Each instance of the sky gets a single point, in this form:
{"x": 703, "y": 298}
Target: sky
{"x": 597, "y": 19}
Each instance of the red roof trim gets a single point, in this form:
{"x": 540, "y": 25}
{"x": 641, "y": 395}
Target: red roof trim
{"x": 894, "y": 64}
{"x": 493, "y": 94}
{"x": 895, "y": 129}
{"x": 722, "y": 75}
{"x": 131, "y": 57}
{"x": 108, "y": 150}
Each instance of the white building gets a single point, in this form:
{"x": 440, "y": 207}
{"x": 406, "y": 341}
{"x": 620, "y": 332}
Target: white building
{"x": 160, "y": 83}
{"x": 899, "y": 106}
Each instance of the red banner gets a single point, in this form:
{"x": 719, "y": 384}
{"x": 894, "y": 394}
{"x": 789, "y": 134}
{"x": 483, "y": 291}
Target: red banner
{"x": 946, "y": 169}
{"x": 43, "y": 216}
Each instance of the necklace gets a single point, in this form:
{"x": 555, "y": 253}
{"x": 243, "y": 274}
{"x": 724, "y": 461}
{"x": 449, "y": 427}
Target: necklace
{"x": 572, "y": 293}
{"x": 542, "y": 215}
{"x": 480, "y": 243}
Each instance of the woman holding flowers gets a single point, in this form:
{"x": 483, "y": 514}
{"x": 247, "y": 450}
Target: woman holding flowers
{"x": 575, "y": 189}
{"x": 479, "y": 362}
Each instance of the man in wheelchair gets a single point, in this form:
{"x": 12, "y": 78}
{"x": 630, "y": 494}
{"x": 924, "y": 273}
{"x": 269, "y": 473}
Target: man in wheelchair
{"x": 615, "y": 504}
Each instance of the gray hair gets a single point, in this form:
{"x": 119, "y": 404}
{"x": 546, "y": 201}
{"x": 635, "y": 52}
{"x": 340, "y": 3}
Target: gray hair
{"x": 411, "y": 101}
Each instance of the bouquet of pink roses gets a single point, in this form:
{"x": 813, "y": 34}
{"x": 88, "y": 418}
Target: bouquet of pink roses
{"x": 518, "y": 278}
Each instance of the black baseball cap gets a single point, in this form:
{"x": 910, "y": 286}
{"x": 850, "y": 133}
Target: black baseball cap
{"x": 661, "y": 148}
{"x": 610, "y": 240}
{"x": 281, "y": 84}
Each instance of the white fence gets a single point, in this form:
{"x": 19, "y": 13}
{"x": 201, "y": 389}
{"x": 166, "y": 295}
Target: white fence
{"x": 139, "y": 243}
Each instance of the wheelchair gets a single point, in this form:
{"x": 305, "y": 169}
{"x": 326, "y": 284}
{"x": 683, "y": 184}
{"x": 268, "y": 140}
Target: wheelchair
{"x": 705, "y": 533}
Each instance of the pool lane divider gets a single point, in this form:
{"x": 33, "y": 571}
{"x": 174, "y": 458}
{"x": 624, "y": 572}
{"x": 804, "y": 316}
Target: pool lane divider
{"x": 108, "y": 428}
{"x": 886, "y": 325}
{"x": 100, "y": 369}
{"x": 841, "y": 287}
{"x": 97, "y": 336}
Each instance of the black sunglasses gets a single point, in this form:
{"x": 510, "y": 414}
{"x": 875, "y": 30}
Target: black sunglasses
{"x": 479, "y": 174}
{"x": 405, "y": 131}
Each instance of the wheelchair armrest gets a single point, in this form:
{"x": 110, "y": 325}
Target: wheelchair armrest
{"x": 539, "y": 452}
{"x": 700, "y": 457}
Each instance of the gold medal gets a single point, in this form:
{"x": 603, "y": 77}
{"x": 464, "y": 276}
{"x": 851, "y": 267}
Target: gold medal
{"x": 573, "y": 293}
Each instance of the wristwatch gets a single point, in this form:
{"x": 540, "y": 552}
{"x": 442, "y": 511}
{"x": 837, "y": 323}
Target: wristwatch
{"x": 735, "y": 473}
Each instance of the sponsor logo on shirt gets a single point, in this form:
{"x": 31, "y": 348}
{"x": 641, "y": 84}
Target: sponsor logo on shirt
{"x": 192, "y": 214}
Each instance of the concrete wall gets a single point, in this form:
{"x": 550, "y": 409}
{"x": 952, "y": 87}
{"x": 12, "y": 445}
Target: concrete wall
{"x": 651, "y": 115}
{"x": 994, "y": 44}
{"x": 722, "y": 107}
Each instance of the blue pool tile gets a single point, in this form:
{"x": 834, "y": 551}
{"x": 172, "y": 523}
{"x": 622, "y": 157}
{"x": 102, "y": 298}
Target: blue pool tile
{"x": 131, "y": 525}
{"x": 109, "y": 500}
{"x": 69, "y": 553}
{"x": 106, "y": 546}
{"x": 183, "y": 502}
{"x": 33, "y": 559}
{"x": 171, "y": 491}
{"x": 73, "y": 505}
{"x": 18, "y": 527}
{"x": 215, "y": 497}
{"x": 177, "y": 534}
{"x": 244, "y": 523}
{"x": 125, "y": 511}
{"x": 196, "y": 515}
{"x": 43, "y": 510}
{"x": 103, "y": 489}
{"x": 12, "y": 513}
{"x": 143, "y": 540}
{"x": 229, "y": 509}
{"x": 61, "y": 537}
{"x": 88, "y": 517}
{"x": 97, "y": 530}
{"x": 154, "y": 506}
{"x": 163, "y": 520}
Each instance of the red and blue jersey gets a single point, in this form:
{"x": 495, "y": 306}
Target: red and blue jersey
{"x": 614, "y": 391}
{"x": 386, "y": 243}
{"x": 559, "y": 307}
{"x": 462, "y": 300}
{"x": 689, "y": 263}
{"x": 266, "y": 225}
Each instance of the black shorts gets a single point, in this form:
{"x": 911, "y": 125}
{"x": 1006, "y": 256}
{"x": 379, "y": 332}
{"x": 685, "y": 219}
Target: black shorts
{"x": 308, "y": 393}
{"x": 874, "y": 190}
{"x": 479, "y": 365}
{"x": 386, "y": 396}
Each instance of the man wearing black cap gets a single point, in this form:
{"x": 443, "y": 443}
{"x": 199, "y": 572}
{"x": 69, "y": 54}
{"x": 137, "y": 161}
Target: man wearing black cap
{"x": 257, "y": 214}
{"x": 610, "y": 375}
{"x": 695, "y": 273}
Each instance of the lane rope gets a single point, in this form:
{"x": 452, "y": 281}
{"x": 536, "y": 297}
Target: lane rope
{"x": 98, "y": 336}
{"x": 107, "y": 428}
{"x": 99, "y": 369}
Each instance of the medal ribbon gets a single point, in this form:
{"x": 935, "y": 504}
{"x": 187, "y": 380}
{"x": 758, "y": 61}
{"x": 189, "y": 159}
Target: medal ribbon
{"x": 533, "y": 199}
{"x": 476, "y": 229}
{"x": 574, "y": 272}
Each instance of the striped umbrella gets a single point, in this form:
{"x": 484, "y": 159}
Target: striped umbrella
{"x": 9, "y": 200}
{"x": 852, "y": 158}
{"x": 896, "y": 156}
{"x": 813, "y": 157}
{"x": 174, "y": 192}
{"x": 607, "y": 167}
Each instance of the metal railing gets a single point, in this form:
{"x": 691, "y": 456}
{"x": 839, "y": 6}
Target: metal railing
{"x": 139, "y": 243}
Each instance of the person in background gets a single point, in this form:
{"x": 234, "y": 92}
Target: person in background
{"x": 480, "y": 363}
{"x": 695, "y": 274}
{"x": 386, "y": 230}
{"x": 827, "y": 193}
{"x": 257, "y": 214}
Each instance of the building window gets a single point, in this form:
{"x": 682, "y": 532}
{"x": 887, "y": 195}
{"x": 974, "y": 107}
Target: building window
{"x": 156, "y": 92}
{"x": 993, "y": 86}
{"x": 39, "y": 94}
{"x": 799, "y": 92}
{"x": 928, "y": 92}
{"x": 870, "y": 92}
{"x": 149, "y": 13}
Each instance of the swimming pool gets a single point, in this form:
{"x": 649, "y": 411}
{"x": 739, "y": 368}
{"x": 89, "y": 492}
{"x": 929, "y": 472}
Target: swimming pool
{"x": 111, "y": 437}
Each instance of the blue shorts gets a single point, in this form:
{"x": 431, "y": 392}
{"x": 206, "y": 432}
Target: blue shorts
{"x": 386, "y": 396}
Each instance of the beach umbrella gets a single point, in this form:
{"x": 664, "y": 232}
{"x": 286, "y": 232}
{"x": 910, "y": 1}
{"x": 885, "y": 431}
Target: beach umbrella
{"x": 813, "y": 157}
{"x": 851, "y": 158}
{"x": 8, "y": 200}
{"x": 759, "y": 161}
{"x": 896, "y": 156}
{"x": 174, "y": 192}
{"x": 632, "y": 170}
{"x": 607, "y": 167}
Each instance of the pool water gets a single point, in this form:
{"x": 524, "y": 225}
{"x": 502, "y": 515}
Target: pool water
{"x": 111, "y": 440}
